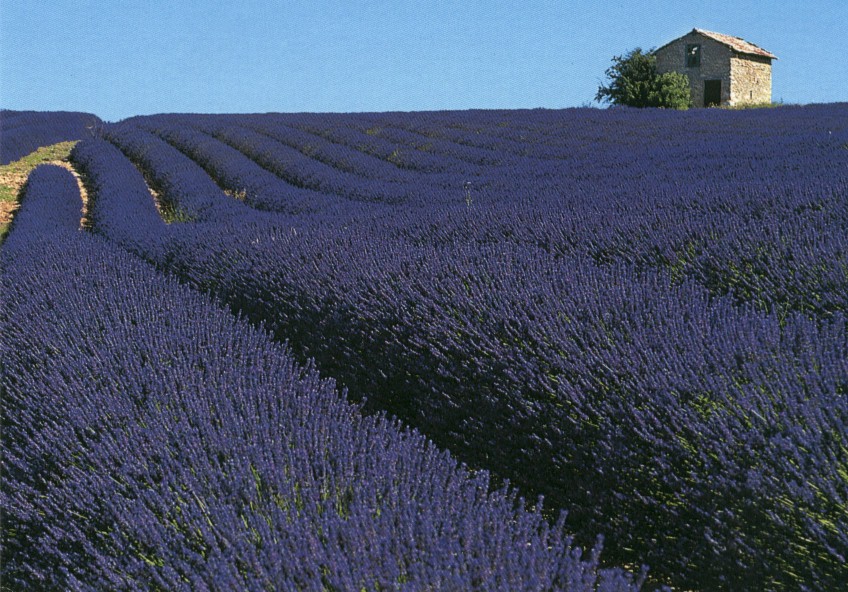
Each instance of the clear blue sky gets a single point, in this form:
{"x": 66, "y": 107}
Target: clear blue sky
{"x": 120, "y": 58}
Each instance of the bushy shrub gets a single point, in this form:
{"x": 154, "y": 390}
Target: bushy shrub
{"x": 633, "y": 81}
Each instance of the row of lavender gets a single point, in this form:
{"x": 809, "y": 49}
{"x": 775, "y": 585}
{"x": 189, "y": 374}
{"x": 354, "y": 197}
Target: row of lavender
{"x": 153, "y": 441}
{"x": 666, "y": 358}
{"x": 22, "y": 132}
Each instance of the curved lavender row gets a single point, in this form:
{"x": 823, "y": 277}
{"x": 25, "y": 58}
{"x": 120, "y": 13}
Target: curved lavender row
{"x": 60, "y": 214}
{"x": 302, "y": 171}
{"x": 353, "y": 159}
{"x": 423, "y": 188}
{"x": 153, "y": 441}
{"x": 123, "y": 210}
{"x": 415, "y": 160}
{"x": 243, "y": 177}
{"x": 409, "y": 136}
{"x": 464, "y": 143}
{"x": 189, "y": 193}
{"x": 336, "y": 155}
{"x": 759, "y": 213}
{"x": 647, "y": 152}
{"x": 22, "y": 132}
{"x": 121, "y": 207}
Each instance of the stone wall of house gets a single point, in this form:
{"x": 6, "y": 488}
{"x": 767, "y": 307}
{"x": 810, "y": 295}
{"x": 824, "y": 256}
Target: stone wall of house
{"x": 715, "y": 65}
{"x": 750, "y": 79}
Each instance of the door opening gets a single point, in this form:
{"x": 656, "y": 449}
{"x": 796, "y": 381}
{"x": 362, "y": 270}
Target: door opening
{"x": 712, "y": 93}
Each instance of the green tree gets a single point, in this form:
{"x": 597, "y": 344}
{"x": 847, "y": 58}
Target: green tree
{"x": 633, "y": 80}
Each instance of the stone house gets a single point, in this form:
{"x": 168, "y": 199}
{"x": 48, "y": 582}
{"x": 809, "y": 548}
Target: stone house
{"x": 722, "y": 70}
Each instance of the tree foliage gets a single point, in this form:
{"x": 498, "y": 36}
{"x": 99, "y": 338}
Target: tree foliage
{"x": 633, "y": 81}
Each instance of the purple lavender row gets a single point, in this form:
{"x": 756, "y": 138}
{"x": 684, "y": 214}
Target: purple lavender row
{"x": 124, "y": 209}
{"x": 404, "y": 132}
{"x": 425, "y": 188}
{"x": 374, "y": 126}
{"x": 189, "y": 193}
{"x": 595, "y": 147}
{"x": 370, "y": 143}
{"x": 463, "y": 141}
{"x": 710, "y": 211}
{"x": 787, "y": 255}
{"x": 302, "y": 171}
{"x": 418, "y": 188}
{"x": 153, "y": 441}
{"x": 243, "y": 177}
{"x": 22, "y": 132}
{"x": 348, "y": 340}
{"x": 345, "y": 158}
{"x": 513, "y": 133}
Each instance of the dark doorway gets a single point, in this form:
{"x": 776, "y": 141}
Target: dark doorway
{"x": 712, "y": 93}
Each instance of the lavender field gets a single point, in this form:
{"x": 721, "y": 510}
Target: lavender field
{"x": 474, "y": 350}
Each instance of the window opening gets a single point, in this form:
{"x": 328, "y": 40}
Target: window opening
{"x": 693, "y": 55}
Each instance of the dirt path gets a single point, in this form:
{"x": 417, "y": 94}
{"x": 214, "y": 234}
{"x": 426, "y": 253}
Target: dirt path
{"x": 7, "y": 209}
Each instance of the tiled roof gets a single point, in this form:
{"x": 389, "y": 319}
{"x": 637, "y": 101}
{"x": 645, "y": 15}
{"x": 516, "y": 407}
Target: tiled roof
{"x": 736, "y": 43}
